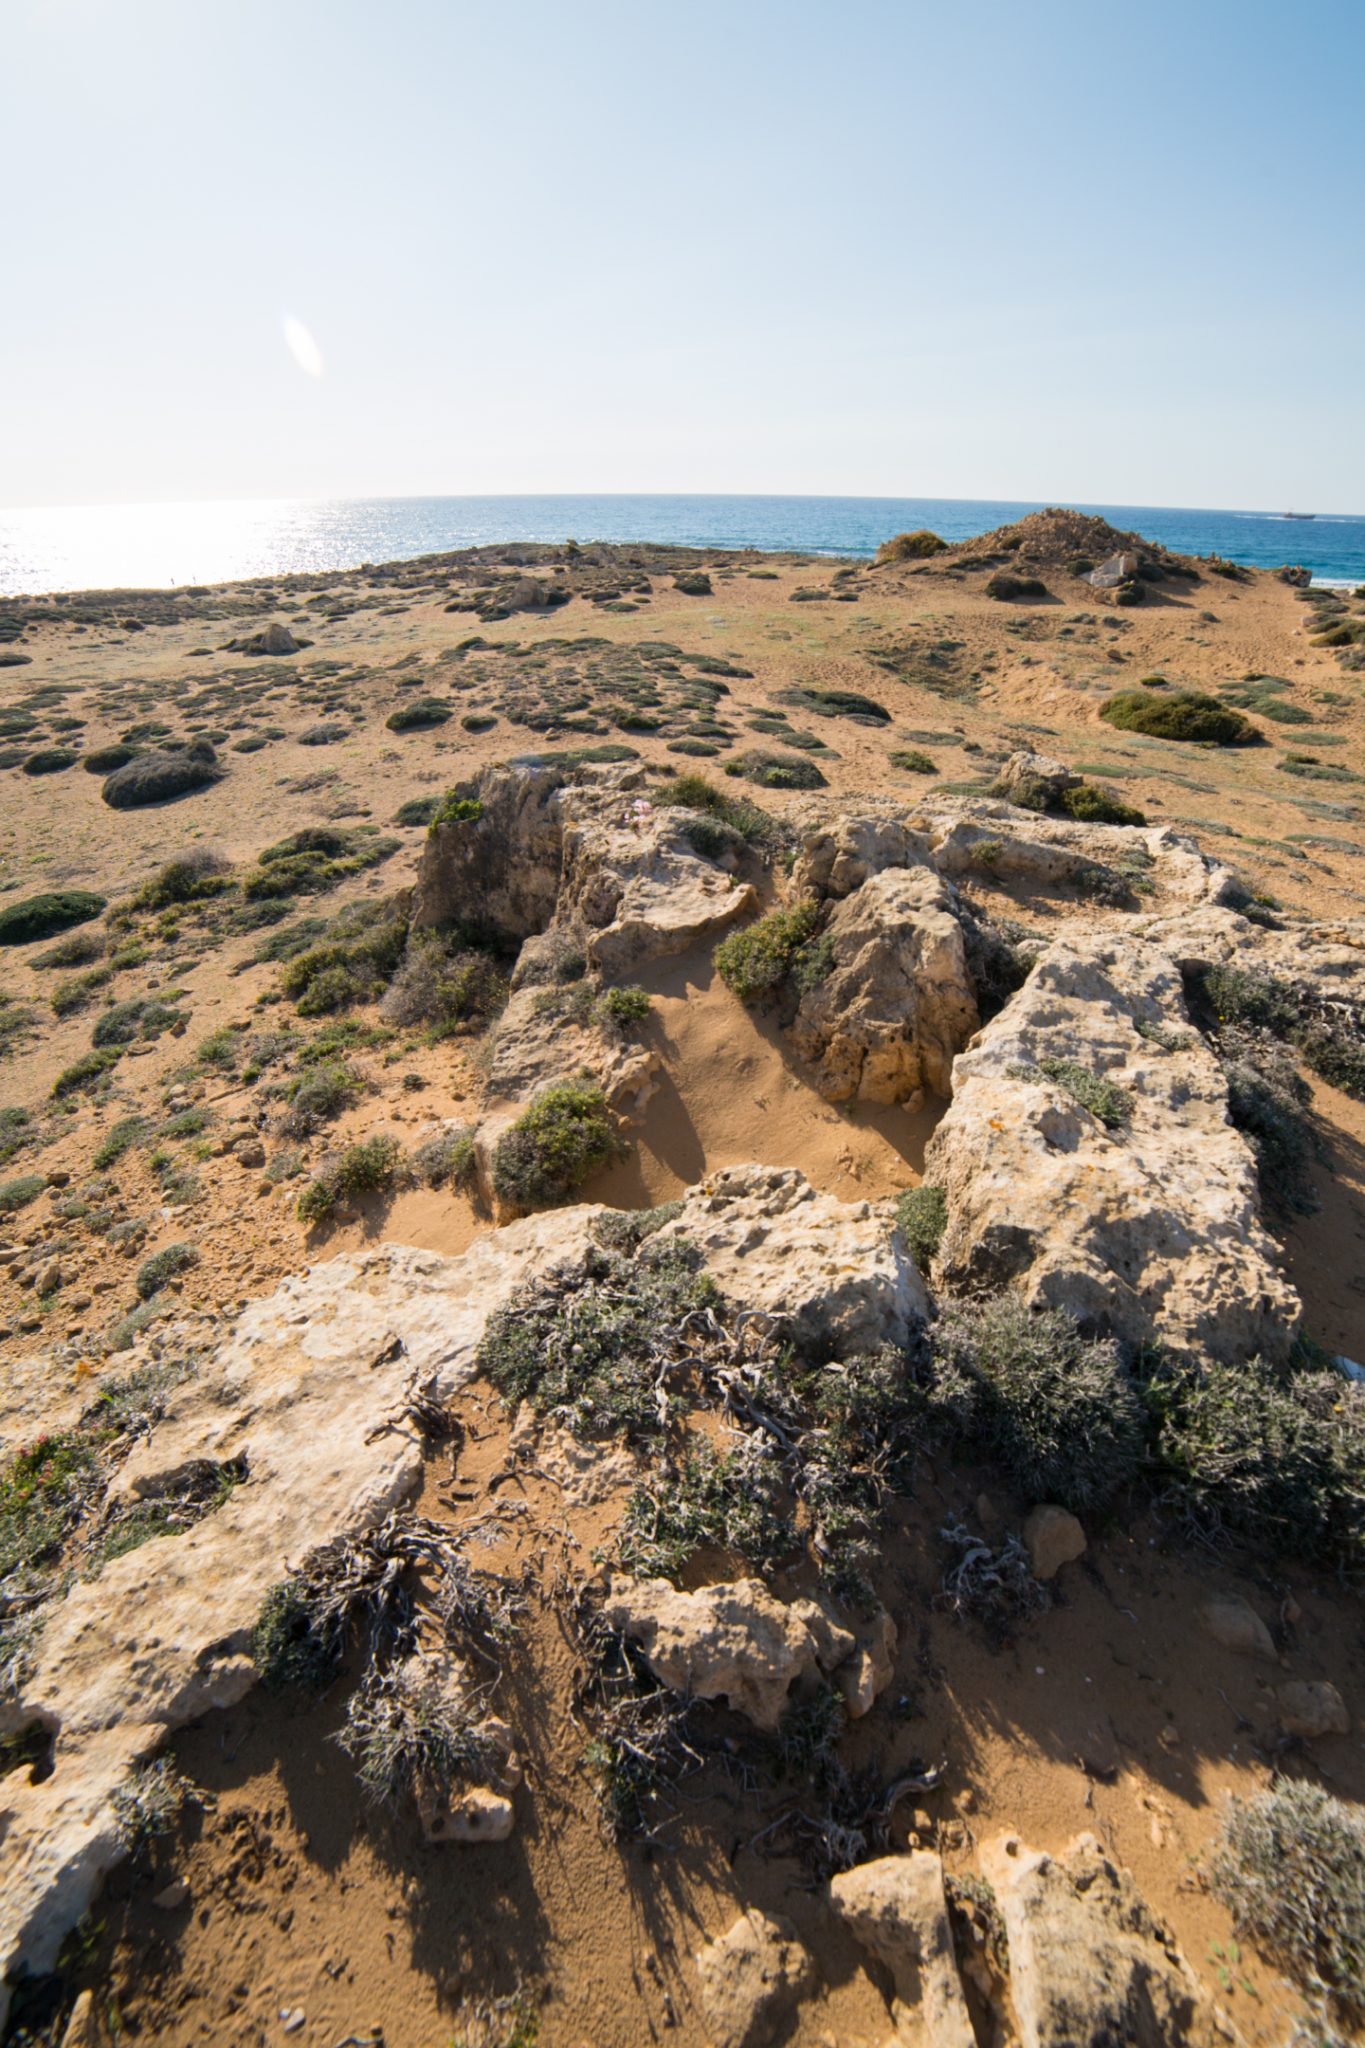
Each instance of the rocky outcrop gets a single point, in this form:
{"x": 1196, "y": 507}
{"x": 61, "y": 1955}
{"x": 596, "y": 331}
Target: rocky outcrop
{"x": 834, "y": 1271}
{"x": 897, "y": 1005}
{"x": 894, "y": 1907}
{"x": 733, "y": 1641}
{"x": 1034, "y": 782}
{"x": 499, "y": 869}
{"x": 634, "y": 885}
{"x": 749, "y": 1978}
{"x": 841, "y": 849}
{"x": 1088, "y": 1961}
{"x": 1145, "y": 1225}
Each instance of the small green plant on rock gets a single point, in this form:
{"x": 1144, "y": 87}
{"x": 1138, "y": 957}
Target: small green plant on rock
{"x": 922, "y": 1218}
{"x": 164, "y": 1266}
{"x": 372, "y": 1167}
{"x": 1111, "y": 1104}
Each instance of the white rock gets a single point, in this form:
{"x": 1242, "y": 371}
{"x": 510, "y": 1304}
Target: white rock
{"x": 748, "y": 1979}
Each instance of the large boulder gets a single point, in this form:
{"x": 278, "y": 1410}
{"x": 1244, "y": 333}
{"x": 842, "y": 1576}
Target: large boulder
{"x": 894, "y": 1907}
{"x": 500, "y": 869}
{"x": 735, "y": 1641}
{"x": 1089, "y": 1963}
{"x": 1145, "y": 1226}
{"x": 840, "y": 850}
{"x": 635, "y": 885}
{"x": 1034, "y": 782}
{"x": 835, "y": 1271}
{"x": 897, "y": 1005}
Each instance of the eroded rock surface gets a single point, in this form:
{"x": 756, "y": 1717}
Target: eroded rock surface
{"x": 898, "y": 1003}
{"x": 894, "y": 1908}
{"x": 750, "y": 1977}
{"x": 1146, "y": 1226}
{"x": 1088, "y": 1961}
{"x": 735, "y": 1641}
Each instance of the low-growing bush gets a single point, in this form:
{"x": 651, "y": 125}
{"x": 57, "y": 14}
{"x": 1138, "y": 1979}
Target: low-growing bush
{"x": 86, "y": 1071}
{"x": 1267, "y": 1097}
{"x": 17, "y": 1194}
{"x": 321, "y": 1092}
{"x": 918, "y": 546}
{"x": 191, "y": 878}
{"x": 444, "y": 984}
{"x": 162, "y": 1267}
{"x": 1188, "y": 715}
{"x": 566, "y": 1134}
{"x": 1092, "y": 806}
{"x": 922, "y": 1218}
{"x": 757, "y": 963}
{"x": 42, "y": 917}
{"x": 850, "y": 704}
{"x": 363, "y": 947}
{"x": 913, "y": 761}
{"x": 371, "y": 1167}
{"x": 104, "y": 760}
{"x": 1005, "y": 586}
{"x": 411, "y": 1737}
{"x": 50, "y": 761}
{"x": 1332, "y": 1043}
{"x": 1289, "y": 1865}
{"x": 158, "y": 778}
{"x": 314, "y": 860}
{"x": 127, "y": 1132}
{"x": 418, "y": 810}
{"x": 455, "y": 809}
{"x": 736, "y": 814}
{"x": 728, "y": 1501}
{"x": 446, "y": 1159}
{"x": 626, "y": 1005}
{"x": 420, "y": 715}
{"x": 585, "y": 1349}
{"x": 777, "y": 771}
{"x": 79, "y": 991}
{"x": 141, "y": 1017}
{"x": 1057, "y": 1411}
{"x": 693, "y": 583}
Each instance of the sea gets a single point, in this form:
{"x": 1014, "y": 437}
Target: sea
{"x": 139, "y": 547}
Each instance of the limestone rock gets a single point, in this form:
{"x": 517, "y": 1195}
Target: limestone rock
{"x": 310, "y": 1389}
{"x": 895, "y": 1909}
{"x": 272, "y": 639}
{"x": 502, "y": 868}
{"x": 898, "y": 1004}
{"x": 1310, "y": 1708}
{"x": 1089, "y": 1963}
{"x": 834, "y": 1270}
{"x": 1034, "y": 781}
{"x": 1052, "y": 1537}
{"x": 1235, "y": 1625}
{"x": 86, "y": 2027}
{"x": 1149, "y": 1230}
{"x": 841, "y": 851}
{"x": 471, "y": 1817}
{"x": 749, "y": 1978}
{"x": 633, "y": 882}
{"x": 870, "y": 1669}
{"x": 1113, "y": 571}
{"x": 734, "y": 1641}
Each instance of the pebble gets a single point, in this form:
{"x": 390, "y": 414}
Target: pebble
{"x": 171, "y": 1896}
{"x": 292, "y": 2020}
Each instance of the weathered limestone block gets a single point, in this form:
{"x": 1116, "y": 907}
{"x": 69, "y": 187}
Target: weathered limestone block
{"x": 749, "y": 1978}
{"x": 894, "y": 1908}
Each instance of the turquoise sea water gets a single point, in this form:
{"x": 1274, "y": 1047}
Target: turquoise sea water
{"x": 156, "y": 546}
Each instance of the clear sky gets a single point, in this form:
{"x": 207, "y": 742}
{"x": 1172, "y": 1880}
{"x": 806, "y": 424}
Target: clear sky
{"x": 1052, "y": 250}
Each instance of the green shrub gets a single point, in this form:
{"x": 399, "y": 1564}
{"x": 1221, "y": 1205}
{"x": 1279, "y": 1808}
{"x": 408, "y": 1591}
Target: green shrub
{"x": 913, "y": 761}
{"x": 79, "y": 991}
{"x": 418, "y": 716}
{"x": 1289, "y": 1865}
{"x": 1261, "y": 1002}
{"x": 104, "y": 760}
{"x": 1188, "y": 715}
{"x": 736, "y": 814}
{"x": 911, "y": 547}
{"x": 849, "y": 704}
{"x": 362, "y": 949}
{"x": 454, "y": 809}
{"x": 1266, "y": 1102}
{"x": 1005, "y": 586}
{"x": 42, "y": 917}
{"x": 82, "y": 1073}
{"x": 43, "y": 1490}
{"x": 693, "y": 583}
{"x": 17, "y": 1194}
{"x": 192, "y": 878}
{"x": 77, "y": 951}
{"x": 297, "y": 1642}
{"x": 777, "y": 771}
{"x": 445, "y": 985}
{"x": 163, "y": 1266}
{"x": 1276, "y": 1458}
{"x": 1057, "y": 1411}
{"x": 922, "y": 1218}
{"x": 158, "y": 778}
{"x": 50, "y": 761}
{"x": 585, "y": 1350}
{"x": 729, "y": 1501}
{"x": 142, "y": 1017}
{"x": 757, "y": 963}
{"x": 418, "y": 810}
{"x": 565, "y": 1135}
{"x": 314, "y": 860}
{"x": 448, "y": 1158}
{"x": 129, "y": 1131}
{"x": 628, "y": 1005}
{"x": 369, "y": 1168}
{"x": 317, "y": 1095}
{"x": 1106, "y": 1100}
{"x": 1092, "y": 806}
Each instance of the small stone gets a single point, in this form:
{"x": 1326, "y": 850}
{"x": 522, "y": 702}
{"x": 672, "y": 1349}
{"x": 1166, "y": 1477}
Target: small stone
{"x": 172, "y": 1896}
{"x": 987, "y": 1513}
{"x": 293, "y": 2020}
{"x": 48, "y": 1278}
{"x": 871, "y": 1667}
{"x": 1312, "y": 1707}
{"x": 59, "y": 1178}
{"x": 249, "y": 1152}
{"x": 85, "y": 2028}
{"x": 1053, "y": 1537}
{"x": 1236, "y": 1626}
{"x": 477, "y": 1816}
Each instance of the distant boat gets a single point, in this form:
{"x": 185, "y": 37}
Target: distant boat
{"x": 1298, "y": 515}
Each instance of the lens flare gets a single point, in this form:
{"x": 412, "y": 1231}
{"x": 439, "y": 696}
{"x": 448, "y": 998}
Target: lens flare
{"x": 302, "y": 346}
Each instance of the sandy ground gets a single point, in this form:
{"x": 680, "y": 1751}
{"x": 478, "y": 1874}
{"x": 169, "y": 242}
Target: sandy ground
{"x": 298, "y": 1897}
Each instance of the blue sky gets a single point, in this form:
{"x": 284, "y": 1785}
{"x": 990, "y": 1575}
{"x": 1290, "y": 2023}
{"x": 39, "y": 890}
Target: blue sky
{"x": 1048, "y": 251}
